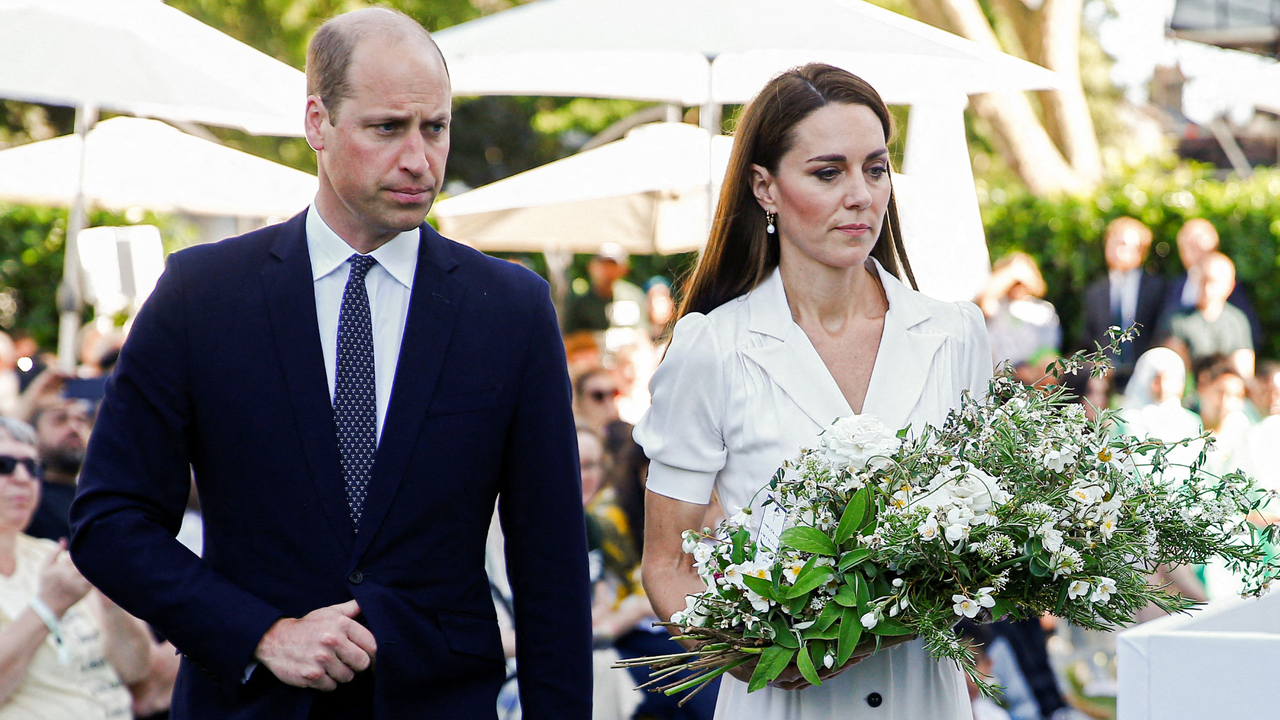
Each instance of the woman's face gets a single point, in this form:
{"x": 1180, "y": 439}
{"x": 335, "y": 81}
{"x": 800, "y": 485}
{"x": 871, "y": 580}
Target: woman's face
{"x": 19, "y": 489}
{"x": 831, "y": 189}
{"x": 591, "y": 461}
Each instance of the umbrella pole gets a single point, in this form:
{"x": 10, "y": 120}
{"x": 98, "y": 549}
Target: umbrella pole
{"x": 70, "y": 298}
{"x": 558, "y": 262}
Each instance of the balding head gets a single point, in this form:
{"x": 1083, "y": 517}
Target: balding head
{"x": 1196, "y": 239}
{"x": 332, "y": 47}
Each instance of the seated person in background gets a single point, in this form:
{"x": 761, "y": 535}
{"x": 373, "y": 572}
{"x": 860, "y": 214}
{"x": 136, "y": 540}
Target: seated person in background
{"x": 62, "y": 428}
{"x": 66, "y": 651}
{"x": 1213, "y": 326}
{"x": 1196, "y": 240}
{"x": 1222, "y": 393}
{"x": 1127, "y": 295}
{"x": 1152, "y": 405}
{"x": 1260, "y": 457}
{"x": 1019, "y": 322}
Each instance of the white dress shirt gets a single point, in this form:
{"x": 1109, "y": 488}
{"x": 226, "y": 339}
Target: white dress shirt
{"x": 1124, "y": 294}
{"x": 742, "y": 388}
{"x": 389, "y": 284}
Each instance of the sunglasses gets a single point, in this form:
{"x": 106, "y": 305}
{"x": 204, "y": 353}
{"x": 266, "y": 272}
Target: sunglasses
{"x": 602, "y": 395}
{"x": 9, "y": 463}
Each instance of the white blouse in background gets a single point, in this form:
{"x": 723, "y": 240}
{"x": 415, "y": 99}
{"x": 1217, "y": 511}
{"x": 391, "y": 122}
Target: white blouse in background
{"x": 742, "y": 389}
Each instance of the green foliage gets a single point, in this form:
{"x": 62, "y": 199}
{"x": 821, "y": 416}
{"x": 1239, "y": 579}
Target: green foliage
{"x": 1065, "y": 234}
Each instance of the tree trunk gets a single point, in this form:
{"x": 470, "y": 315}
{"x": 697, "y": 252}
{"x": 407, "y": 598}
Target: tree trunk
{"x": 1029, "y": 149}
{"x": 1060, "y": 23}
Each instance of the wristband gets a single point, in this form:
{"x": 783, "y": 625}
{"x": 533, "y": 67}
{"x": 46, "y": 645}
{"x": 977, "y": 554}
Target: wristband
{"x": 51, "y": 621}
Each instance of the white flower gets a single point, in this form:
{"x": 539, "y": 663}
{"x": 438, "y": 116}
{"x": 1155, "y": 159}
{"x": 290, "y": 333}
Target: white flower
{"x": 1077, "y": 589}
{"x": 965, "y": 606}
{"x": 792, "y": 570}
{"x": 1057, "y": 459}
{"x": 688, "y": 541}
{"x": 858, "y": 441}
{"x": 1102, "y": 589}
{"x": 956, "y": 533}
{"x": 984, "y": 597}
{"x": 1086, "y": 494}
{"x": 759, "y": 602}
{"x": 960, "y": 516}
{"x": 928, "y": 529}
{"x": 1107, "y": 526}
{"x": 1050, "y": 537}
{"x": 701, "y": 553}
{"x": 740, "y": 518}
{"x": 1065, "y": 562}
{"x": 869, "y": 620}
{"x": 691, "y": 615}
{"x": 897, "y": 582}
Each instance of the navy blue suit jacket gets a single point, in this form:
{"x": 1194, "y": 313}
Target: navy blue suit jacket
{"x": 223, "y": 374}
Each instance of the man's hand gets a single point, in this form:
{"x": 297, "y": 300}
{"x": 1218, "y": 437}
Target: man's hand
{"x": 320, "y": 650}
{"x": 61, "y": 585}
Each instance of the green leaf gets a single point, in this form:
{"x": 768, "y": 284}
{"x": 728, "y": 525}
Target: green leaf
{"x": 805, "y": 663}
{"x": 810, "y": 540}
{"x": 762, "y": 587}
{"x": 1000, "y": 609}
{"x": 862, "y": 590}
{"x": 810, "y": 579}
{"x": 850, "y": 634}
{"x": 853, "y": 557}
{"x": 1062, "y": 598}
{"x": 829, "y": 615}
{"x": 817, "y": 651}
{"x": 798, "y": 604}
{"x": 1038, "y": 568}
{"x": 854, "y": 512}
{"x": 739, "y": 539}
{"x": 847, "y": 594}
{"x": 782, "y": 634}
{"x": 813, "y": 632}
{"x": 890, "y": 626}
{"x": 773, "y": 661}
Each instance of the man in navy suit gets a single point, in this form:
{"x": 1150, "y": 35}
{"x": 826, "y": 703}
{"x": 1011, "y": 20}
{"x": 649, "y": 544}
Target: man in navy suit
{"x": 353, "y": 392}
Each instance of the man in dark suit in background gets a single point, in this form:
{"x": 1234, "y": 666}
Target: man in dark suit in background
{"x": 1127, "y": 295}
{"x": 353, "y": 392}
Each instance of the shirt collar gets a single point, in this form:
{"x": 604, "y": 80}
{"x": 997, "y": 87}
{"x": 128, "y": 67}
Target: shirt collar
{"x": 398, "y": 256}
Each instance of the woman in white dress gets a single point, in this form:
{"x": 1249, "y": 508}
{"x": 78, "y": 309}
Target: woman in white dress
{"x": 796, "y": 315}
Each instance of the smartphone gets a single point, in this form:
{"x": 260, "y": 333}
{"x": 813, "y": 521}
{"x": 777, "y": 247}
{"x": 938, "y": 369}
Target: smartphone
{"x": 86, "y": 388}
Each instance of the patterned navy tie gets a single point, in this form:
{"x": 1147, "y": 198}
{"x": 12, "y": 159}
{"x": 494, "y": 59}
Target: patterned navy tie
{"x": 355, "y": 402}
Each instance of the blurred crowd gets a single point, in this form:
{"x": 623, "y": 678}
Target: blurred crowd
{"x": 67, "y": 651}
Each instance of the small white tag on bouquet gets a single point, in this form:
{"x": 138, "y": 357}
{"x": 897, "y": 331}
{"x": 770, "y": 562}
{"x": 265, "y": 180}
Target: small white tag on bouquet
{"x": 773, "y": 521}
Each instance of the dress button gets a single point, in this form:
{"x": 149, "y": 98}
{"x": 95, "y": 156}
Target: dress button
{"x": 357, "y": 577}
{"x": 874, "y": 699}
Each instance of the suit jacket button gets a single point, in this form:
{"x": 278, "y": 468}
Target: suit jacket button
{"x": 355, "y": 578}
{"x": 874, "y": 700}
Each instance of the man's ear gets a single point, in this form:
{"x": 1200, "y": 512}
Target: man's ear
{"x": 316, "y": 118}
{"x": 762, "y": 187}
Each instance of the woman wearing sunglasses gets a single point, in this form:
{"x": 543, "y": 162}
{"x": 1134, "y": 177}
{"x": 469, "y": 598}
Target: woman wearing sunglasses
{"x": 65, "y": 650}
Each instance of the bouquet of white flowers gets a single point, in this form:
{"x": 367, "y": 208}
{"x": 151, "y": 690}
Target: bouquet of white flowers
{"x": 1017, "y": 505}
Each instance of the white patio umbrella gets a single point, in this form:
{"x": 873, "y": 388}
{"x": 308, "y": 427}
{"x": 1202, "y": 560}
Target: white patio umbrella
{"x": 142, "y": 57}
{"x": 139, "y": 57}
{"x": 692, "y": 52}
{"x": 134, "y": 162}
{"x": 647, "y": 192}
{"x": 714, "y": 52}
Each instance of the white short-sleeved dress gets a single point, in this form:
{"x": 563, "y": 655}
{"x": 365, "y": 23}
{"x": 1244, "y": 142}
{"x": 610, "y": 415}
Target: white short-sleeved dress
{"x": 742, "y": 389}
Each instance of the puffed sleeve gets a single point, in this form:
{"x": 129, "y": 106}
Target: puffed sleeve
{"x": 682, "y": 432}
{"x": 976, "y": 349}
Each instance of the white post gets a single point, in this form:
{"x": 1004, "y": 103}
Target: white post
{"x": 70, "y": 296}
{"x": 941, "y": 221}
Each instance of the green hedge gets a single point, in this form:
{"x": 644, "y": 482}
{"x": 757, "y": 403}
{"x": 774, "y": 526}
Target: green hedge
{"x": 1065, "y": 235}
{"x": 31, "y": 242}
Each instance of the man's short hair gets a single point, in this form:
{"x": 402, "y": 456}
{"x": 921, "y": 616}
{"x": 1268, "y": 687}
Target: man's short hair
{"x": 17, "y": 431}
{"x": 330, "y": 51}
{"x": 1125, "y": 222}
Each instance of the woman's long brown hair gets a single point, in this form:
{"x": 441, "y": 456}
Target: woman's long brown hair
{"x": 740, "y": 254}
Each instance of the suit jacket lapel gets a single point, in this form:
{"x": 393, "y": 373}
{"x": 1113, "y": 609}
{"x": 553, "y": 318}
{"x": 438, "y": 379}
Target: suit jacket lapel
{"x": 291, "y": 306}
{"x": 905, "y": 357}
{"x": 434, "y": 303}
{"x": 794, "y": 365}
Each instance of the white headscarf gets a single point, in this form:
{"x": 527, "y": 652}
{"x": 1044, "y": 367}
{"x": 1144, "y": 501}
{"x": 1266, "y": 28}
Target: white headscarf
{"x": 1156, "y": 361}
